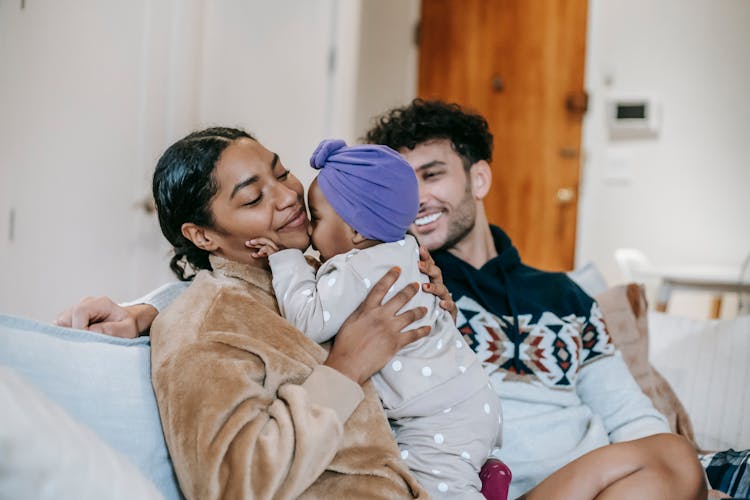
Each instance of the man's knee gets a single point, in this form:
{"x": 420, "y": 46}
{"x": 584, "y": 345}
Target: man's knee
{"x": 678, "y": 461}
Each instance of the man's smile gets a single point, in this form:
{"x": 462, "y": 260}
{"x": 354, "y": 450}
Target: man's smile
{"x": 427, "y": 219}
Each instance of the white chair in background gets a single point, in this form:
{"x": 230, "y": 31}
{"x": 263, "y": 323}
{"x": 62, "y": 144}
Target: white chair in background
{"x": 635, "y": 266}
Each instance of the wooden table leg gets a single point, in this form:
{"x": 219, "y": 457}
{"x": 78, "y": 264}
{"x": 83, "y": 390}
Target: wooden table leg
{"x": 715, "y": 307}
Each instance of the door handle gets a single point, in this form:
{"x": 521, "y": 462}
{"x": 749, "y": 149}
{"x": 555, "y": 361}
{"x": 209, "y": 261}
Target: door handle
{"x": 565, "y": 196}
{"x": 577, "y": 102}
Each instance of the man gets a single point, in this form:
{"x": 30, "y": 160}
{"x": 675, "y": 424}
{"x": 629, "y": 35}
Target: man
{"x": 565, "y": 390}
{"x": 564, "y": 387}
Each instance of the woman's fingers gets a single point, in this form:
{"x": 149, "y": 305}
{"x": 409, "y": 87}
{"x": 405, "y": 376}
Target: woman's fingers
{"x": 427, "y": 265}
{"x": 437, "y": 289}
{"x": 408, "y": 317}
{"x": 399, "y": 300}
{"x": 380, "y": 289}
{"x": 410, "y": 336}
{"x": 441, "y": 292}
{"x": 436, "y": 285}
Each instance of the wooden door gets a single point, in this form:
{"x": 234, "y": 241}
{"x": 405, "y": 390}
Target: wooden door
{"x": 519, "y": 63}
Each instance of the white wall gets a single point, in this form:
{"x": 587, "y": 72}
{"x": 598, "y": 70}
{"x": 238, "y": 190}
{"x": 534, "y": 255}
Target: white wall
{"x": 92, "y": 92}
{"x": 264, "y": 67}
{"x": 686, "y": 196}
{"x": 75, "y": 130}
{"x": 387, "y": 65}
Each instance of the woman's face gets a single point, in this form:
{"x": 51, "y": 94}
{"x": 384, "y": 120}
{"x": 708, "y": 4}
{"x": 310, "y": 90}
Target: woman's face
{"x": 256, "y": 197}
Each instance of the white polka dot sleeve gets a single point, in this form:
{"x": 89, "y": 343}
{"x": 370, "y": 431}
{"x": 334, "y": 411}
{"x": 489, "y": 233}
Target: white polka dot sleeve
{"x": 316, "y": 304}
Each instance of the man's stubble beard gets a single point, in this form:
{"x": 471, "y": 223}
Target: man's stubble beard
{"x": 463, "y": 220}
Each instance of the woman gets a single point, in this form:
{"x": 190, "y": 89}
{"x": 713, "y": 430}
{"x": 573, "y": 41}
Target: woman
{"x": 252, "y": 408}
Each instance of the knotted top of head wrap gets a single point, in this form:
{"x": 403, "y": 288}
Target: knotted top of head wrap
{"x": 371, "y": 187}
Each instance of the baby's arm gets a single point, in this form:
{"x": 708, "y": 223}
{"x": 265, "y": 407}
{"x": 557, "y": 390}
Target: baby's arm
{"x": 318, "y": 305}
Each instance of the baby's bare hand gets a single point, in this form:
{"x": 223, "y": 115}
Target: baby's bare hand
{"x": 262, "y": 247}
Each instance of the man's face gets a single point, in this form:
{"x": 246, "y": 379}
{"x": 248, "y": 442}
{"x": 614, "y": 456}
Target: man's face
{"x": 447, "y": 208}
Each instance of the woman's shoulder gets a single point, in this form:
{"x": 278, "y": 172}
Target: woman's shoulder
{"x": 207, "y": 295}
{"x": 216, "y": 306}
{"x": 214, "y": 291}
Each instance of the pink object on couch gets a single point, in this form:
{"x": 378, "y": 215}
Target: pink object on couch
{"x": 495, "y": 476}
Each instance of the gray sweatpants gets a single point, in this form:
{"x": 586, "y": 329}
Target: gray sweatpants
{"x": 445, "y": 451}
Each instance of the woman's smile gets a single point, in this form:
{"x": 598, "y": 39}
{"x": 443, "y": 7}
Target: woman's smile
{"x": 297, "y": 220}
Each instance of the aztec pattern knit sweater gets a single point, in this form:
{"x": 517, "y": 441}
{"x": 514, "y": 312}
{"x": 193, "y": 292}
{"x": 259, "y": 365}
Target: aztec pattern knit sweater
{"x": 542, "y": 340}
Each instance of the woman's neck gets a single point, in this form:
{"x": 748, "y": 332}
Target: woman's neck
{"x": 244, "y": 259}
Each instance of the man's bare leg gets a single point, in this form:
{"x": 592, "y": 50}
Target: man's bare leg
{"x": 661, "y": 467}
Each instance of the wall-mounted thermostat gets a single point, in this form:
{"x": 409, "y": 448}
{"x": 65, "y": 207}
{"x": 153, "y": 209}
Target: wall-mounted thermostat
{"x": 633, "y": 117}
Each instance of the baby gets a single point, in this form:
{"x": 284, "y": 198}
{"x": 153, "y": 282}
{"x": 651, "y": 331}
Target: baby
{"x": 445, "y": 416}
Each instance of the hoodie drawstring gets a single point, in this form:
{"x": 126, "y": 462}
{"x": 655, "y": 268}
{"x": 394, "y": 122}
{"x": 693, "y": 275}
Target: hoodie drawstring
{"x": 517, "y": 365}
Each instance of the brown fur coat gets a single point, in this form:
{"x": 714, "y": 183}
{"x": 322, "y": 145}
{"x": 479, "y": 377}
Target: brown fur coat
{"x": 249, "y": 411}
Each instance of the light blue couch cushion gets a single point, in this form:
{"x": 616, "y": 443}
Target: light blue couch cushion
{"x": 103, "y": 382}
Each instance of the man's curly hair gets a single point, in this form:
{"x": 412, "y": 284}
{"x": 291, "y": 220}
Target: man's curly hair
{"x": 421, "y": 121}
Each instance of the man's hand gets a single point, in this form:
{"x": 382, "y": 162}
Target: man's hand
{"x": 101, "y": 314}
{"x": 372, "y": 334}
{"x": 436, "y": 285}
{"x": 262, "y": 247}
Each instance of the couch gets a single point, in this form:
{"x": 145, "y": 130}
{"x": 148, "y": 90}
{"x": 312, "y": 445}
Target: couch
{"x": 96, "y": 391}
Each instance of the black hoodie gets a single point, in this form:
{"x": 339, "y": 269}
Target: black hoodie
{"x": 526, "y": 304}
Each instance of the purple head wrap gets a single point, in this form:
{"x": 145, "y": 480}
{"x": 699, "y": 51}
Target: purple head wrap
{"x": 371, "y": 187}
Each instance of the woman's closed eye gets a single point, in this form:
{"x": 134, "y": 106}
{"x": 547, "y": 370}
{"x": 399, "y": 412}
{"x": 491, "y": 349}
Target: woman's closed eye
{"x": 283, "y": 176}
{"x": 253, "y": 202}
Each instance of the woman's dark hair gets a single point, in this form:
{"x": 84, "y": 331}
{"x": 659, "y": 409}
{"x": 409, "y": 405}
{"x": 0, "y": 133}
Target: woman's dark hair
{"x": 421, "y": 121}
{"x": 183, "y": 187}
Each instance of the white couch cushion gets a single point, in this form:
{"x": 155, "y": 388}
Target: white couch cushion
{"x": 708, "y": 365}
{"x": 103, "y": 382}
{"x": 45, "y": 454}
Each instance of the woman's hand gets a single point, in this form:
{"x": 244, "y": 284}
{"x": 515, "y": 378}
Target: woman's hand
{"x": 101, "y": 314}
{"x": 372, "y": 334}
{"x": 436, "y": 285}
